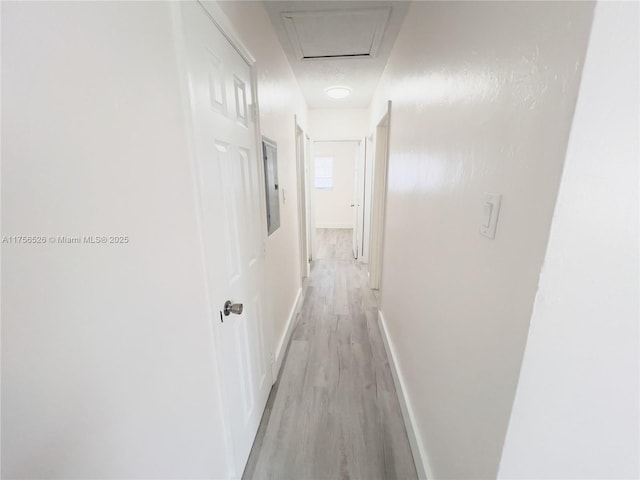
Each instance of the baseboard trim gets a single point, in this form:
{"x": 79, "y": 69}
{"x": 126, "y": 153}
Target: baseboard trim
{"x": 284, "y": 340}
{"x": 335, "y": 225}
{"x": 417, "y": 448}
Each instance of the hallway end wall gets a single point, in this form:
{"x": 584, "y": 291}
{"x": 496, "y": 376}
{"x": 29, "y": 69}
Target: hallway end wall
{"x": 333, "y": 205}
{"x": 578, "y": 392}
{"x": 338, "y": 123}
{"x": 280, "y": 100}
{"x": 483, "y": 95}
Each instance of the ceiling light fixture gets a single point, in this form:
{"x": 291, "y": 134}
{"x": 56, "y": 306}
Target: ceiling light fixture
{"x": 338, "y": 92}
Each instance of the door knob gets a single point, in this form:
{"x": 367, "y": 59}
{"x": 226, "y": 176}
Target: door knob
{"x": 232, "y": 308}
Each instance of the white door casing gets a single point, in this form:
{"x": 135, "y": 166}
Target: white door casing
{"x": 302, "y": 200}
{"x": 308, "y": 190}
{"x": 230, "y": 183}
{"x": 367, "y": 207}
{"x": 379, "y": 200}
{"x": 358, "y": 202}
{"x": 311, "y": 210}
{"x": 354, "y": 205}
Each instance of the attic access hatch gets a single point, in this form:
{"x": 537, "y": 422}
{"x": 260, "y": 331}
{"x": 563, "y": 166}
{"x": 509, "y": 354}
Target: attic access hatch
{"x": 334, "y": 34}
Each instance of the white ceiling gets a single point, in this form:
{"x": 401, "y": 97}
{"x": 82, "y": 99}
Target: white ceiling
{"x": 337, "y": 43}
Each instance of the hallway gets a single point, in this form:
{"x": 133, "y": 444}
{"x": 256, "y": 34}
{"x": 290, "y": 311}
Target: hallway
{"x": 161, "y": 318}
{"x": 334, "y": 412}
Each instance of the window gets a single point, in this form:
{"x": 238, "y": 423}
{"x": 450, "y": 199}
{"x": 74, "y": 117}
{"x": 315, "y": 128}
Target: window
{"x": 324, "y": 173}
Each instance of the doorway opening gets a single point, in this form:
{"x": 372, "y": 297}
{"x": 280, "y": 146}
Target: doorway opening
{"x": 379, "y": 199}
{"x": 335, "y": 182}
{"x": 302, "y": 168}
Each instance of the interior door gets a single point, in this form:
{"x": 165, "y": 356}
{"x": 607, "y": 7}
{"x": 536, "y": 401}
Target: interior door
{"x": 229, "y": 173}
{"x": 358, "y": 201}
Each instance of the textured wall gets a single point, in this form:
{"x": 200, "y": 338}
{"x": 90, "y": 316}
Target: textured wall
{"x": 576, "y": 409}
{"x": 483, "y": 96}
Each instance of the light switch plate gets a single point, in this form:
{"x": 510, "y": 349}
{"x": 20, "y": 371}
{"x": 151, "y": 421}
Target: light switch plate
{"x": 490, "y": 212}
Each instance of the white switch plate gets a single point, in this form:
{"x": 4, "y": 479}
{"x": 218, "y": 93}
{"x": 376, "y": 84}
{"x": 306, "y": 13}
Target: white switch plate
{"x": 490, "y": 211}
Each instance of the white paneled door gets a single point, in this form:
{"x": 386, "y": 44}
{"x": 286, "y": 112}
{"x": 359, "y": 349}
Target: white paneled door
{"x": 229, "y": 177}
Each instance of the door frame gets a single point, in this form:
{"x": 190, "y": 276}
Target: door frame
{"x": 311, "y": 225}
{"x": 303, "y": 209}
{"x": 220, "y": 21}
{"x": 311, "y": 164}
{"x": 368, "y": 186}
{"x": 379, "y": 199}
{"x": 359, "y": 198}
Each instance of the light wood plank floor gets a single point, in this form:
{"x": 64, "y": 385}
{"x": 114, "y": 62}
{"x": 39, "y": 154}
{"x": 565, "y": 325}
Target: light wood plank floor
{"x": 334, "y": 412}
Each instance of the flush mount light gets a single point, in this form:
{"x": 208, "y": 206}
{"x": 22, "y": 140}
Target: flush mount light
{"x": 338, "y": 92}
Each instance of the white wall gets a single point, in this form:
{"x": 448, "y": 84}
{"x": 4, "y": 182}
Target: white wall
{"x": 576, "y": 410}
{"x": 333, "y": 206}
{"x": 483, "y": 96}
{"x": 280, "y": 99}
{"x": 107, "y": 364}
{"x": 338, "y": 123}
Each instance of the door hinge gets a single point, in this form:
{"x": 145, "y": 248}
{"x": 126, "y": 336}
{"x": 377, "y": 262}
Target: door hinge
{"x": 253, "y": 109}
{"x": 272, "y": 358}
